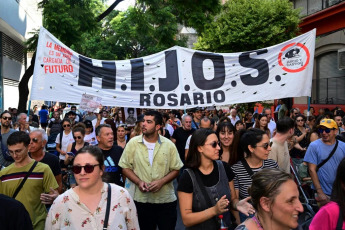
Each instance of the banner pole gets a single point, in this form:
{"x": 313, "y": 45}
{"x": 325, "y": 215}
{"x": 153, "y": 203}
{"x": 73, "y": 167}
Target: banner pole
{"x": 308, "y": 107}
{"x": 29, "y": 108}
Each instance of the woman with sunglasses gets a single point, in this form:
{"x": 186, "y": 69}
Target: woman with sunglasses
{"x": 121, "y": 136}
{"x": 262, "y": 123}
{"x": 78, "y": 136}
{"x": 300, "y": 137}
{"x": 206, "y": 187}
{"x": 275, "y": 198}
{"x": 85, "y": 206}
{"x": 62, "y": 141}
{"x": 250, "y": 150}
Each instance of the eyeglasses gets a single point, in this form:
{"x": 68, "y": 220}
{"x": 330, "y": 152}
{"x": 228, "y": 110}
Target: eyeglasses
{"x": 35, "y": 140}
{"x": 327, "y": 130}
{"x": 87, "y": 168}
{"x": 213, "y": 144}
{"x": 77, "y": 137}
{"x": 7, "y": 118}
{"x": 266, "y": 145}
{"x": 66, "y": 126}
{"x": 299, "y": 120}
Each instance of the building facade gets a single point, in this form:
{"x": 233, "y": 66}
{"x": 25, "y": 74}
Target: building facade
{"x": 328, "y": 17}
{"x": 17, "y": 19}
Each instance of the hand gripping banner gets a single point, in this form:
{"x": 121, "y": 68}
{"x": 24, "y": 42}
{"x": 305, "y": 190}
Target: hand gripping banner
{"x": 175, "y": 78}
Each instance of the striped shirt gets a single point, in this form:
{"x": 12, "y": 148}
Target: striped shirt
{"x": 243, "y": 180}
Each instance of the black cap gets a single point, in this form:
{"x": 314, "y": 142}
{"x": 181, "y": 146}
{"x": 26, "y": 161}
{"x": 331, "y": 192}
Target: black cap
{"x": 71, "y": 112}
{"x": 88, "y": 123}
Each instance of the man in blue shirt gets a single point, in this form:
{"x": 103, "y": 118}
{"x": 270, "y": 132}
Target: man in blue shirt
{"x": 43, "y": 115}
{"x": 317, "y": 152}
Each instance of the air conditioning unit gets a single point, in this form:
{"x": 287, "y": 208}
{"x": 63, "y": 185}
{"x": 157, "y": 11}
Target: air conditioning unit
{"x": 341, "y": 59}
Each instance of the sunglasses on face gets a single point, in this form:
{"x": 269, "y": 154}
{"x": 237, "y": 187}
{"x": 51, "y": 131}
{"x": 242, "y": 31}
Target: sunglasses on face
{"x": 35, "y": 140}
{"x": 7, "y": 118}
{"x": 77, "y": 137}
{"x": 266, "y": 145}
{"x": 327, "y": 130}
{"x": 213, "y": 144}
{"x": 87, "y": 168}
{"x": 66, "y": 126}
{"x": 299, "y": 120}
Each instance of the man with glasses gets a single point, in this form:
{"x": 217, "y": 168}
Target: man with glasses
{"x": 38, "y": 140}
{"x": 318, "y": 152}
{"x": 40, "y": 180}
{"x": 6, "y": 131}
{"x": 280, "y": 150}
{"x": 152, "y": 162}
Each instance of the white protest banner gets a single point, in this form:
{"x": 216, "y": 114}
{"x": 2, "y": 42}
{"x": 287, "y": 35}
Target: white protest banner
{"x": 90, "y": 103}
{"x": 177, "y": 77}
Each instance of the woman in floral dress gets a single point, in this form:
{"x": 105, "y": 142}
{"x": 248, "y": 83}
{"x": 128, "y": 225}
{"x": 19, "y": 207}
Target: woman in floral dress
{"x": 84, "y": 206}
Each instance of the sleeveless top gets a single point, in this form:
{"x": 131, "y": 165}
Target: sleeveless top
{"x": 215, "y": 193}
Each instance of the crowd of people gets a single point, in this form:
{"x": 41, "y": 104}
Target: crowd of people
{"x": 110, "y": 172}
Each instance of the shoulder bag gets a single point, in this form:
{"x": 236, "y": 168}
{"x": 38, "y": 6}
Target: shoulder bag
{"x": 23, "y": 181}
{"x": 329, "y": 157}
{"x": 105, "y": 225}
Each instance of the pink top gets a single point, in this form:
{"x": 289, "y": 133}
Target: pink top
{"x": 326, "y": 218}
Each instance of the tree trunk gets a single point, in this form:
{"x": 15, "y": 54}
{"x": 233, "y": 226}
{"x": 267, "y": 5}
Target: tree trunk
{"x": 23, "y": 86}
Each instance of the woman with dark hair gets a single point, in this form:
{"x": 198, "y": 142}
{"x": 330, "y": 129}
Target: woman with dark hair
{"x": 328, "y": 216}
{"x": 206, "y": 187}
{"x": 63, "y": 139}
{"x": 225, "y": 133}
{"x": 251, "y": 148}
{"x": 239, "y": 125}
{"x": 275, "y": 198}
{"x": 85, "y": 206}
{"x": 300, "y": 137}
{"x": 248, "y": 119}
{"x": 262, "y": 123}
{"x": 78, "y": 132}
{"x": 314, "y": 133}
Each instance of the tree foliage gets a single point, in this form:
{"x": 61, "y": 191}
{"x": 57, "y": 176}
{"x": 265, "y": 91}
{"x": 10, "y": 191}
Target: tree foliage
{"x": 250, "y": 24}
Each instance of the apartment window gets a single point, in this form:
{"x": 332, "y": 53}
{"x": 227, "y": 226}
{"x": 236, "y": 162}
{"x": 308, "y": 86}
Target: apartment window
{"x": 329, "y": 85}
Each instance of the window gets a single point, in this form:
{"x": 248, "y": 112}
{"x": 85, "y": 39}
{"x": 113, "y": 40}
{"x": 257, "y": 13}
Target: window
{"x": 329, "y": 85}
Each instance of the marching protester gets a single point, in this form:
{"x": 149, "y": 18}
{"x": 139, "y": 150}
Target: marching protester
{"x": 262, "y": 123}
{"x": 62, "y": 141}
{"x": 90, "y": 135}
{"x": 206, "y": 187}
{"x": 270, "y": 122}
{"x": 92, "y": 204}
{"x": 6, "y": 131}
{"x": 152, "y": 162}
{"x": 225, "y": 133}
{"x": 250, "y": 150}
{"x": 121, "y": 136}
{"x": 301, "y": 135}
{"x": 39, "y": 179}
{"x": 275, "y": 197}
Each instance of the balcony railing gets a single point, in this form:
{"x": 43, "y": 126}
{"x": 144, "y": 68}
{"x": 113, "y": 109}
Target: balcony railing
{"x": 328, "y": 91}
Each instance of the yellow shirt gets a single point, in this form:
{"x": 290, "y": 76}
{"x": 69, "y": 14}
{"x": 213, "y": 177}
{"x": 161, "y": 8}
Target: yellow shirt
{"x": 39, "y": 181}
{"x": 165, "y": 159}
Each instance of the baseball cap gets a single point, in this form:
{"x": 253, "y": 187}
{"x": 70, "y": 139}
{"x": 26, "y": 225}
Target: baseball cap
{"x": 88, "y": 123}
{"x": 328, "y": 123}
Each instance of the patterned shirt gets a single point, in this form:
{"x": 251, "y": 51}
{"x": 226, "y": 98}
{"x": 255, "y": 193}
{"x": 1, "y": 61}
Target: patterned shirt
{"x": 165, "y": 159}
{"x": 67, "y": 212}
{"x": 243, "y": 180}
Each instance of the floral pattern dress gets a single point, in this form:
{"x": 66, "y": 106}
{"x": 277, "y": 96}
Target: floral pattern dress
{"x": 67, "y": 212}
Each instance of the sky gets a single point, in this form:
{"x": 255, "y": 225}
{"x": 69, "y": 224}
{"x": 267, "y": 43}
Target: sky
{"x": 122, "y": 5}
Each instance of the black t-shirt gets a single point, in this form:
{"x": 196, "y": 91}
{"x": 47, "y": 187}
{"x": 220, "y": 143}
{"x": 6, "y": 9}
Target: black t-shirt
{"x": 186, "y": 185}
{"x": 13, "y": 215}
{"x": 52, "y": 161}
{"x": 113, "y": 172}
{"x": 181, "y": 135}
